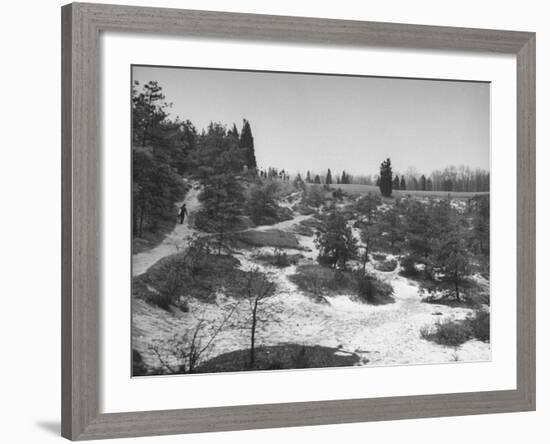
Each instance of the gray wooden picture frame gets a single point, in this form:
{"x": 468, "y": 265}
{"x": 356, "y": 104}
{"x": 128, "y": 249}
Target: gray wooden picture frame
{"x": 81, "y": 165}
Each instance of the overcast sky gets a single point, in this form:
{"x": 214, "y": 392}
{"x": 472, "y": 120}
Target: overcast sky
{"x": 305, "y": 121}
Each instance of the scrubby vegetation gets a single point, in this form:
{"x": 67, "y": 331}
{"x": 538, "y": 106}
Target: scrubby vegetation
{"x": 372, "y": 290}
{"x": 196, "y": 272}
{"x": 263, "y": 204}
{"x": 450, "y": 333}
{"x": 454, "y": 333}
{"x": 266, "y": 238}
{"x": 279, "y": 258}
{"x": 320, "y": 281}
{"x": 387, "y": 265}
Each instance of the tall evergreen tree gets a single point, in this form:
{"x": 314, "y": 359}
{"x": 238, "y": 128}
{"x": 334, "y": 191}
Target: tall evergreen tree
{"x": 335, "y": 241}
{"x": 234, "y": 132}
{"x": 403, "y": 184}
{"x": 429, "y": 184}
{"x": 246, "y": 142}
{"x": 386, "y": 178}
{"x": 396, "y": 182}
{"x": 308, "y": 177}
{"x": 148, "y": 112}
{"x": 345, "y": 178}
{"x": 328, "y": 179}
{"x": 423, "y": 182}
{"x": 317, "y": 179}
{"x": 219, "y": 159}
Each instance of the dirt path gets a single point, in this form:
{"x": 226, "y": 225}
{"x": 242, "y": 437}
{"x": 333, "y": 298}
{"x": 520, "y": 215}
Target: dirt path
{"x": 172, "y": 242}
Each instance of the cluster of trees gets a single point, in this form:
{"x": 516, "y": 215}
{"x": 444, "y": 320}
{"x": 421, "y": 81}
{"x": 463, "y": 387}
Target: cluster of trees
{"x": 451, "y": 179}
{"x": 444, "y": 243}
{"x": 328, "y": 178}
{"x": 218, "y": 165}
{"x": 462, "y": 178}
{"x": 164, "y": 150}
{"x": 436, "y": 239}
{"x": 413, "y": 183}
{"x": 274, "y": 173}
{"x": 335, "y": 241}
{"x": 156, "y": 155}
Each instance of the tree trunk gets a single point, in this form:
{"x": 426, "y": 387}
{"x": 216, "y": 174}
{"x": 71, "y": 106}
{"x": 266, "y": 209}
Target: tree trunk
{"x": 457, "y": 292}
{"x": 141, "y": 217}
{"x": 253, "y": 334}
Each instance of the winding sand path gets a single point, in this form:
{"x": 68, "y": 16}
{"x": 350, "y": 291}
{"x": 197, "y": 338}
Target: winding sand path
{"x": 172, "y": 242}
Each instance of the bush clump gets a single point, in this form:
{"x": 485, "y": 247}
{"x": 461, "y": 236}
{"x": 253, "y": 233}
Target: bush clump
{"x": 323, "y": 281}
{"x": 480, "y": 325}
{"x": 138, "y": 366}
{"x": 408, "y": 266}
{"x": 449, "y": 333}
{"x": 379, "y": 256}
{"x": 373, "y": 290}
{"x": 387, "y": 265}
{"x": 454, "y": 333}
{"x": 195, "y": 272}
{"x": 279, "y": 258}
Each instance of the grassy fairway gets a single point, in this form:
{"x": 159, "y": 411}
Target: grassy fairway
{"x": 355, "y": 189}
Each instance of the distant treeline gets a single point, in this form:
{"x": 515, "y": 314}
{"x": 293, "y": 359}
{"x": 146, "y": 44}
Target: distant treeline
{"x": 451, "y": 178}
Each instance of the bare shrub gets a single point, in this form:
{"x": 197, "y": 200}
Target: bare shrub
{"x": 182, "y": 353}
{"x": 256, "y": 288}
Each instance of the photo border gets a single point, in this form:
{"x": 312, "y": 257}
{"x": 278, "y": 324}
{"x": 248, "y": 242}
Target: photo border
{"x": 81, "y": 171}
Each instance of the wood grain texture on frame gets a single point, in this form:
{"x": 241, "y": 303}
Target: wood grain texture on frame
{"x": 81, "y": 25}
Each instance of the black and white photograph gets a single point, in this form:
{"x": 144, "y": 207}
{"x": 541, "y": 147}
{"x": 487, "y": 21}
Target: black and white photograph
{"x": 287, "y": 221}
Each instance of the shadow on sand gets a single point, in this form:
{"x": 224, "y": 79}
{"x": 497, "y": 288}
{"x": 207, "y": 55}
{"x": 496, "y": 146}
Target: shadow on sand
{"x": 279, "y": 357}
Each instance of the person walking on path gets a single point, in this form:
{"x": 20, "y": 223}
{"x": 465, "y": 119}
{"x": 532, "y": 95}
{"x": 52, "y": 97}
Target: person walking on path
{"x": 183, "y": 213}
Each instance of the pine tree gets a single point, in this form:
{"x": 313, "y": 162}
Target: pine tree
{"x": 368, "y": 205}
{"x": 423, "y": 182}
{"x": 429, "y": 185}
{"x": 308, "y": 177}
{"x": 396, "y": 182}
{"x": 148, "y": 111}
{"x": 234, "y": 132}
{"x": 403, "y": 184}
{"x": 317, "y": 179}
{"x": 392, "y": 226}
{"x": 219, "y": 159}
{"x": 336, "y": 242}
{"x": 345, "y": 178}
{"x": 386, "y": 181}
{"x": 246, "y": 142}
{"x": 328, "y": 179}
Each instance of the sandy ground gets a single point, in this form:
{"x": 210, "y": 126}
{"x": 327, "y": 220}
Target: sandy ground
{"x": 380, "y": 335}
